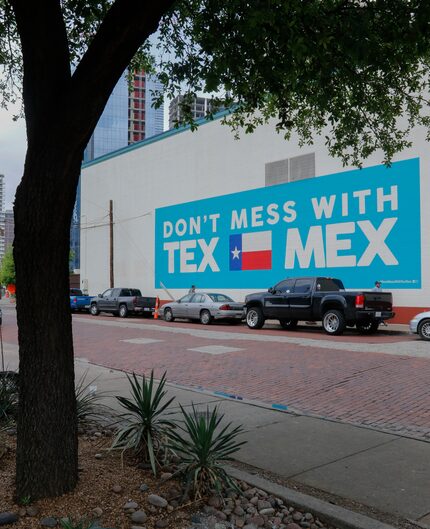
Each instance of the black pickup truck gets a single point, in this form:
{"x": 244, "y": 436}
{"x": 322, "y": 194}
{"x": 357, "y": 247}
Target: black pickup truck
{"x": 122, "y": 302}
{"x": 319, "y": 299}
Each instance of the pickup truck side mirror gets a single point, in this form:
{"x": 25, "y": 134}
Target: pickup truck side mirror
{"x": 99, "y": 296}
{"x": 271, "y": 290}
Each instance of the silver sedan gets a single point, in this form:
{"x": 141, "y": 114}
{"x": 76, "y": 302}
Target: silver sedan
{"x": 420, "y": 324}
{"x": 204, "y": 306}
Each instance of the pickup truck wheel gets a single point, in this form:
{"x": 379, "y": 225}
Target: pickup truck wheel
{"x": 334, "y": 322}
{"x": 424, "y": 329}
{"x": 369, "y": 327}
{"x": 123, "y": 311}
{"x": 168, "y": 315}
{"x": 255, "y": 318}
{"x": 288, "y": 325}
{"x": 94, "y": 310}
{"x": 205, "y": 317}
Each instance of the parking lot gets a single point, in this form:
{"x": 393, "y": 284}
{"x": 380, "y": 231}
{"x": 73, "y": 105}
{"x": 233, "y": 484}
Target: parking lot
{"x": 380, "y": 381}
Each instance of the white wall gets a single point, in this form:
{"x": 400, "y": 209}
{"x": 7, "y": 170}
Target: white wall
{"x": 188, "y": 166}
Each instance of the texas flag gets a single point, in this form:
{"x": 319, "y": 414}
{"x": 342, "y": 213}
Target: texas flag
{"x": 251, "y": 251}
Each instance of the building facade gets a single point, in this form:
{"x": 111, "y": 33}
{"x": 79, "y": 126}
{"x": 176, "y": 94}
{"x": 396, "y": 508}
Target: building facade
{"x": 9, "y": 228}
{"x": 179, "y": 206}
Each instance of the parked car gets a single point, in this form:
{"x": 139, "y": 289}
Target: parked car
{"x": 122, "y": 302}
{"x": 319, "y": 299}
{"x": 78, "y": 301}
{"x": 420, "y": 324}
{"x": 204, "y": 306}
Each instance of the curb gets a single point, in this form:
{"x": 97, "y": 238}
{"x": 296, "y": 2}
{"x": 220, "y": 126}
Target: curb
{"x": 338, "y": 516}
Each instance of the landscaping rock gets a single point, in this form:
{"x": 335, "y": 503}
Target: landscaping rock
{"x": 130, "y": 505}
{"x": 157, "y": 501}
{"x": 98, "y": 456}
{"x": 215, "y": 501}
{"x": 8, "y": 517}
{"x": 144, "y": 487}
{"x": 293, "y": 526}
{"x": 267, "y": 512}
{"x": 195, "y": 518}
{"x": 97, "y": 512}
{"x": 297, "y": 516}
{"x": 264, "y": 504}
{"x": 139, "y": 517}
{"x": 32, "y": 510}
{"x": 48, "y": 522}
{"x": 165, "y": 476}
{"x": 117, "y": 489}
{"x": 137, "y": 527}
{"x": 250, "y": 526}
{"x": 160, "y": 524}
{"x": 258, "y": 521}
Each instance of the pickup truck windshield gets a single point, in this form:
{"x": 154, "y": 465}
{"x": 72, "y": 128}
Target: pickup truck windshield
{"x": 327, "y": 284}
{"x": 75, "y": 292}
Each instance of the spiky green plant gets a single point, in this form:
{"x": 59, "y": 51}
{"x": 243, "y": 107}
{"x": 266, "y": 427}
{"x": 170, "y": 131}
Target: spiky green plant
{"x": 8, "y": 397}
{"x": 145, "y": 429}
{"x": 204, "y": 446}
{"x": 88, "y": 402}
{"x": 69, "y": 523}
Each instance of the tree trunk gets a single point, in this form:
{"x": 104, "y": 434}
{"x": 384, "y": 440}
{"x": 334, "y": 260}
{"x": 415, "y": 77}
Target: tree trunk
{"x": 47, "y": 451}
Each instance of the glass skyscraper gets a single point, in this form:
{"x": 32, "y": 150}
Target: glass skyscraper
{"x": 127, "y": 118}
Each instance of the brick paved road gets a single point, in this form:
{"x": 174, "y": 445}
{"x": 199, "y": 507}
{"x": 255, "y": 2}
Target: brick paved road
{"x": 380, "y": 381}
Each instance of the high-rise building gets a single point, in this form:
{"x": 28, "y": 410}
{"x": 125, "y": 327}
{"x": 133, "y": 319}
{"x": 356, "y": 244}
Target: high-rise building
{"x": 127, "y": 118}
{"x": 199, "y": 108}
{"x": 9, "y": 228}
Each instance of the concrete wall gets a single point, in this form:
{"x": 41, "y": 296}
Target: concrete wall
{"x": 187, "y": 166}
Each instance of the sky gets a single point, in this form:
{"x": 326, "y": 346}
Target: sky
{"x": 13, "y": 146}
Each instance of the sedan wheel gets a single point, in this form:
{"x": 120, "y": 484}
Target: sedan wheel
{"x": 94, "y": 309}
{"x": 168, "y": 315}
{"x": 205, "y": 317}
{"x": 424, "y": 330}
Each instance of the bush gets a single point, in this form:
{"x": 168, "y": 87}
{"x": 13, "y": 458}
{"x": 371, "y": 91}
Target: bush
{"x": 144, "y": 433}
{"x": 203, "y": 447}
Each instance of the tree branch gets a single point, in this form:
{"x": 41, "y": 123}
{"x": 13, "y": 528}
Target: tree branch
{"x": 127, "y": 25}
{"x": 46, "y": 59}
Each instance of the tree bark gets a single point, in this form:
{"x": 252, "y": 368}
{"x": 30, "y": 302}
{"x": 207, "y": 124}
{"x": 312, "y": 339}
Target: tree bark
{"x": 61, "y": 112}
{"x": 47, "y": 450}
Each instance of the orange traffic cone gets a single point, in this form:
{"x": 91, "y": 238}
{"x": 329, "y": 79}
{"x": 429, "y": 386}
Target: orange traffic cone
{"x": 157, "y": 304}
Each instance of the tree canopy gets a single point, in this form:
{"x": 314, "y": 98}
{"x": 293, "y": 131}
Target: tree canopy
{"x": 7, "y": 269}
{"x": 347, "y": 69}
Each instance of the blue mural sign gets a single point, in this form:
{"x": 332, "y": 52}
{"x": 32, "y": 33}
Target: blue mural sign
{"x": 358, "y": 225}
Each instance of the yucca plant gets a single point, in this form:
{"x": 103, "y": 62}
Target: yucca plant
{"x": 145, "y": 429}
{"x": 204, "y": 446}
{"x": 69, "y": 523}
{"x": 8, "y": 397}
{"x": 88, "y": 402}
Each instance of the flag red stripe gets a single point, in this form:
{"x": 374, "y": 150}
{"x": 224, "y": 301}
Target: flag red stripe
{"x": 257, "y": 260}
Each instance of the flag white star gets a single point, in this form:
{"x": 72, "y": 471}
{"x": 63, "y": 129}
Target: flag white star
{"x": 235, "y": 253}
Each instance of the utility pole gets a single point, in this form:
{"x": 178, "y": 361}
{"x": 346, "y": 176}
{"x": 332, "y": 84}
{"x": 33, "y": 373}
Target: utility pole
{"x": 111, "y": 274}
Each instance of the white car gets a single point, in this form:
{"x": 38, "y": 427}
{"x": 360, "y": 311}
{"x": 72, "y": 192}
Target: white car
{"x": 204, "y": 306}
{"x": 420, "y": 324}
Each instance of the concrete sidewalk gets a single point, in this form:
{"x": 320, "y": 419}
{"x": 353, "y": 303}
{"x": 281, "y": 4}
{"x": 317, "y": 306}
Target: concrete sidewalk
{"x": 384, "y": 471}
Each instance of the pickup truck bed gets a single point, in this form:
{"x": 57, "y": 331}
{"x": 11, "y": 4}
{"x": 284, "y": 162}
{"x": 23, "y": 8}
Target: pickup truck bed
{"x": 123, "y": 302}
{"x": 319, "y": 299}
{"x": 79, "y": 301}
